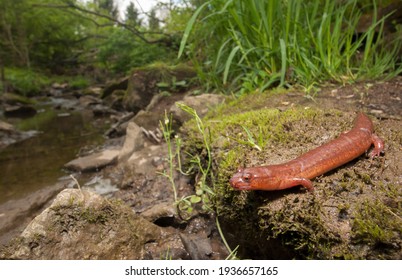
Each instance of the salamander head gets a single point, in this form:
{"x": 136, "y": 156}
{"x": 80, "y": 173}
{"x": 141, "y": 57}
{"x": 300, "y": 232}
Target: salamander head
{"x": 242, "y": 179}
{"x": 257, "y": 178}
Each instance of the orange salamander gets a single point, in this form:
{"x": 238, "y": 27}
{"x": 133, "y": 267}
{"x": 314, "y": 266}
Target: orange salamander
{"x": 299, "y": 171}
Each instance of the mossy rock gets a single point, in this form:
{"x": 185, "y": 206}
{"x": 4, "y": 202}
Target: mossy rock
{"x": 340, "y": 220}
{"x": 147, "y": 81}
{"x": 13, "y": 99}
{"x": 83, "y": 225}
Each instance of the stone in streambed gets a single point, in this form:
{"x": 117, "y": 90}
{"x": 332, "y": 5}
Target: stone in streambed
{"x": 94, "y": 162}
{"x": 134, "y": 141}
{"x": 6, "y": 127}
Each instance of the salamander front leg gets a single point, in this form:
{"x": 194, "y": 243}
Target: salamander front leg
{"x": 378, "y": 145}
{"x": 292, "y": 182}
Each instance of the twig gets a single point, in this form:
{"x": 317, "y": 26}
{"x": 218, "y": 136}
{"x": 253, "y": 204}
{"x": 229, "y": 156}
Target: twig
{"x": 78, "y": 184}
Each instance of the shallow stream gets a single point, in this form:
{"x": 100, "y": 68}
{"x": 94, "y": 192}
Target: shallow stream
{"x": 38, "y": 162}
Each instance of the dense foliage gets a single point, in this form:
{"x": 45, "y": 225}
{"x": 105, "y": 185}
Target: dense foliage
{"x": 34, "y": 34}
{"x": 236, "y": 45}
{"x": 72, "y": 36}
{"x": 248, "y": 44}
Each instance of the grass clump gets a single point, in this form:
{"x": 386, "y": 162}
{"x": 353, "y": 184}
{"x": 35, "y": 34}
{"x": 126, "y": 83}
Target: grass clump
{"x": 254, "y": 44}
{"x": 29, "y": 82}
{"x": 78, "y": 82}
{"x": 26, "y": 82}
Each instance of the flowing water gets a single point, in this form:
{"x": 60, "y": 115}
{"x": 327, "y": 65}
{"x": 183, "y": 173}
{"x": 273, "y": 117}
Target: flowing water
{"x": 38, "y": 162}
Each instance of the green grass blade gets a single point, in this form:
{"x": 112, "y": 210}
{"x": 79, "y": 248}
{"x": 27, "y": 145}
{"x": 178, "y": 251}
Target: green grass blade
{"x": 189, "y": 27}
{"x": 283, "y": 58}
{"x": 229, "y": 63}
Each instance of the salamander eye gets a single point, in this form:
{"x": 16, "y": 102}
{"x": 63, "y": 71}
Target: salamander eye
{"x": 246, "y": 177}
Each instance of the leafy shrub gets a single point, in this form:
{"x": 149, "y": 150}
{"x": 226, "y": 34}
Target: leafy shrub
{"x": 122, "y": 52}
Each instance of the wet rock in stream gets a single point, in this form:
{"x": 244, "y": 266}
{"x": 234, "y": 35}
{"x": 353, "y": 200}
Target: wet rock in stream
{"x": 95, "y": 161}
{"x": 9, "y": 134}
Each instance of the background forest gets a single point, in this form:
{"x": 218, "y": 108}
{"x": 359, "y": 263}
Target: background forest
{"x": 234, "y": 45}
{"x": 43, "y": 39}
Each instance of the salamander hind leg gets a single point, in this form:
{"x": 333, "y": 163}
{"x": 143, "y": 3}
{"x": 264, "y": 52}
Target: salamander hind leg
{"x": 292, "y": 182}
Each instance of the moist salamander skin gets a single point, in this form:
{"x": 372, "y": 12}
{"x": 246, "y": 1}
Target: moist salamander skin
{"x": 299, "y": 171}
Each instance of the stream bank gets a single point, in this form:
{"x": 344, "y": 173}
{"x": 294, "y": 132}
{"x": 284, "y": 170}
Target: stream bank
{"x": 135, "y": 181}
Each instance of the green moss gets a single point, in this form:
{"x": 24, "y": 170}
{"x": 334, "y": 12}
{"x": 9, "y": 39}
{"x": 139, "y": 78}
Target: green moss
{"x": 95, "y": 216}
{"x": 376, "y": 223}
{"x": 264, "y": 125}
{"x": 299, "y": 227}
{"x": 246, "y": 102}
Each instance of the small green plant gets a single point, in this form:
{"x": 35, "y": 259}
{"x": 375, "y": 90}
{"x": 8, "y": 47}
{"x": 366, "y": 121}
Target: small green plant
{"x": 203, "y": 191}
{"x": 250, "y": 139}
{"x": 173, "y": 85}
{"x": 166, "y": 87}
{"x": 167, "y": 132}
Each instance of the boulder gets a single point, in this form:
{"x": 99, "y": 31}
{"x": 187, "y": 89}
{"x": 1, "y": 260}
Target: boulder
{"x": 89, "y": 100}
{"x": 115, "y": 85}
{"x": 145, "y": 161}
{"x": 15, "y": 99}
{"x": 145, "y": 82}
{"x": 93, "y": 90}
{"x": 148, "y": 119}
{"x": 160, "y": 211}
{"x": 200, "y": 103}
{"x": 115, "y": 99}
{"x": 102, "y": 110}
{"x": 83, "y": 225}
{"x": 95, "y": 161}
